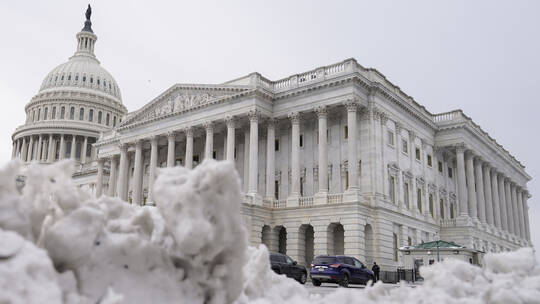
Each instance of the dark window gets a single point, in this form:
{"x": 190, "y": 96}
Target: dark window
{"x": 99, "y": 115}
{"x": 81, "y": 114}
{"x": 62, "y": 112}
{"x": 62, "y": 77}
{"x": 419, "y": 199}
{"x": 45, "y": 113}
{"x": 346, "y": 132}
{"x": 72, "y": 113}
{"x": 76, "y": 77}
{"x": 69, "y": 77}
{"x": 276, "y": 144}
{"x": 53, "y": 114}
{"x": 91, "y": 79}
{"x": 98, "y": 81}
{"x": 417, "y": 153}
{"x": 324, "y": 260}
{"x": 214, "y": 154}
{"x": 91, "y": 115}
{"x": 84, "y": 78}
{"x": 450, "y": 172}
{"x": 38, "y": 114}
{"x": 276, "y": 190}
{"x": 429, "y": 160}
{"x": 301, "y": 140}
{"x": 196, "y": 159}
{"x": 107, "y": 119}
{"x": 114, "y": 121}
{"x": 440, "y": 167}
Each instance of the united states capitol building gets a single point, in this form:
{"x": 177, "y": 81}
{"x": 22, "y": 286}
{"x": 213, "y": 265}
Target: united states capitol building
{"x": 335, "y": 160}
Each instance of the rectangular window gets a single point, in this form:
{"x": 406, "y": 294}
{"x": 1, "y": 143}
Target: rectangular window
{"x": 81, "y": 113}
{"x": 450, "y": 174}
{"x": 53, "y": 114}
{"x": 301, "y": 140}
{"x": 417, "y": 152}
{"x": 346, "y": 132}
{"x": 406, "y": 194}
{"x": 442, "y": 208}
{"x": 235, "y": 153}
{"x": 195, "y": 160}
{"x": 72, "y": 113}
{"x": 431, "y": 205}
{"x": 276, "y": 190}
{"x": 391, "y": 189}
{"x": 214, "y": 154}
{"x": 91, "y": 115}
{"x": 301, "y": 186}
{"x": 347, "y": 179}
{"x": 391, "y": 138}
{"x": 62, "y": 112}
{"x": 419, "y": 199}
{"x": 440, "y": 167}
{"x": 404, "y": 146}
{"x": 276, "y": 145}
{"x": 429, "y": 160}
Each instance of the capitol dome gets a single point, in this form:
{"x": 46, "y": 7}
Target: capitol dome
{"x": 77, "y": 102}
{"x": 82, "y": 72}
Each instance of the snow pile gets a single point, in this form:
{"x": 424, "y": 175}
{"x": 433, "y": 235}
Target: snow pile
{"x": 60, "y": 245}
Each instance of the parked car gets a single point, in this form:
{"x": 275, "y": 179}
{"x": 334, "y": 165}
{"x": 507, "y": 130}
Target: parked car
{"x": 283, "y": 264}
{"x": 343, "y": 270}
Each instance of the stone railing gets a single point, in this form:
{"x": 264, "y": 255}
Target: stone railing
{"x": 335, "y": 198}
{"x": 305, "y": 201}
{"x": 279, "y": 204}
{"x": 448, "y": 222}
{"x": 447, "y": 116}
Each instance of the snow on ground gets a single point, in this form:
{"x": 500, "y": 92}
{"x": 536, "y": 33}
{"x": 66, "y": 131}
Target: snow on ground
{"x": 60, "y": 245}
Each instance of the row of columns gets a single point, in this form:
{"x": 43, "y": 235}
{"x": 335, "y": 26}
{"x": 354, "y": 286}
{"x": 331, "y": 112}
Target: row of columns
{"x": 489, "y": 196}
{"x": 252, "y": 139}
{"x": 44, "y": 150}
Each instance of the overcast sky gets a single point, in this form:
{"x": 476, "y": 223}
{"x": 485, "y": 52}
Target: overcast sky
{"x": 479, "y": 56}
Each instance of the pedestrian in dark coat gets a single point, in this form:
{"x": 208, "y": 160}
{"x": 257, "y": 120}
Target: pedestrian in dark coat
{"x": 376, "y": 270}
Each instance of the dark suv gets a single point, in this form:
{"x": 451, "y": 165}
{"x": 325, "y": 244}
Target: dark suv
{"x": 283, "y": 264}
{"x": 342, "y": 270}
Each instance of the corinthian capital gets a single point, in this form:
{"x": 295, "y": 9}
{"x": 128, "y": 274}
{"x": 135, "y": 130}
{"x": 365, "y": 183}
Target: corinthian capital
{"x": 208, "y": 126}
{"x": 188, "y": 131}
{"x": 460, "y": 148}
{"x": 351, "y": 104}
{"x": 321, "y": 111}
{"x": 253, "y": 115}
{"x": 230, "y": 121}
{"x": 294, "y": 117}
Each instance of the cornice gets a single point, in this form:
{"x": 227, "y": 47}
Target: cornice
{"x": 75, "y": 96}
{"x": 44, "y": 126}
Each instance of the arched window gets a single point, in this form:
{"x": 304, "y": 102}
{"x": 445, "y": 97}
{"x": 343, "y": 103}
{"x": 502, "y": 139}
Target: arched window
{"x": 81, "y": 114}
{"x": 34, "y": 116}
{"x": 451, "y": 211}
{"x": 395, "y": 248}
{"x": 114, "y": 121}
{"x": 98, "y": 81}
{"x": 99, "y": 117}
{"x": 72, "y": 113}
{"x": 107, "y": 119}
{"x": 45, "y": 113}
{"x": 62, "y": 112}
{"x": 53, "y": 114}
{"x": 91, "y": 79}
{"x": 84, "y": 78}
{"x": 431, "y": 209}
{"x": 442, "y": 208}
{"x": 91, "y": 115}
{"x": 38, "y": 114}
{"x": 69, "y": 77}
{"x": 77, "y": 77}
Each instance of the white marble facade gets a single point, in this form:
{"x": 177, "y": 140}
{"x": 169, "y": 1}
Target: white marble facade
{"x": 336, "y": 160}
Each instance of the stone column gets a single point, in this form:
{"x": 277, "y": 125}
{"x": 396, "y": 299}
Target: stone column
{"x": 462, "y": 186}
{"x": 189, "y": 147}
{"x": 509, "y": 209}
{"x": 469, "y": 163}
{"x": 515, "y": 209}
{"x": 30, "y": 149}
{"x": 44, "y": 147}
{"x": 62, "y": 153}
{"x": 502, "y": 203}
{"x": 99, "y": 182}
{"x": 153, "y": 165}
{"x": 487, "y": 194}
{"x": 73, "y": 147}
{"x": 253, "y": 151}
{"x": 352, "y": 155}
{"x": 495, "y": 197}
{"x": 14, "y": 149}
{"x": 50, "y": 153}
{"x": 209, "y": 145}
{"x": 138, "y": 174}
{"x": 270, "y": 159}
{"x": 322, "y": 114}
{"x": 245, "y": 176}
{"x": 123, "y": 173}
{"x": 83, "y": 150}
{"x": 24, "y": 149}
{"x": 113, "y": 176}
{"x": 295, "y": 155}
{"x": 479, "y": 178}
{"x": 170, "y": 149}
{"x": 526, "y": 215}
{"x": 231, "y": 125}
{"x": 17, "y": 147}
{"x": 39, "y": 146}
{"x": 519, "y": 198}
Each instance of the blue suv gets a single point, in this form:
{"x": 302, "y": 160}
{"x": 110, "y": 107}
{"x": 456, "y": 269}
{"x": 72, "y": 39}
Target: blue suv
{"x": 343, "y": 270}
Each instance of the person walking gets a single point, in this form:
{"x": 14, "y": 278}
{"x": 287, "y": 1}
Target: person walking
{"x": 376, "y": 270}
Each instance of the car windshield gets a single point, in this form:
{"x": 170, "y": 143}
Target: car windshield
{"x": 275, "y": 258}
{"x": 324, "y": 260}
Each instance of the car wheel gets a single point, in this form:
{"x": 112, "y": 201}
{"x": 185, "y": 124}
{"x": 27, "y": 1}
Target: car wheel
{"x": 316, "y": 282}
{"x": 303, "y": 278}
{"x": 345, "y": 281}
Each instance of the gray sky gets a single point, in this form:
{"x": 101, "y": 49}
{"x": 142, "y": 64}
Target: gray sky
{"x": 479, "y": 56}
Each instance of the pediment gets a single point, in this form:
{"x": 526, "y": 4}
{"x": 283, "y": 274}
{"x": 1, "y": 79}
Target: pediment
{"x": 182, "y": 98}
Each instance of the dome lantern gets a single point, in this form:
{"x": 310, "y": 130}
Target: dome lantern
{"x": 86, "y": 39}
